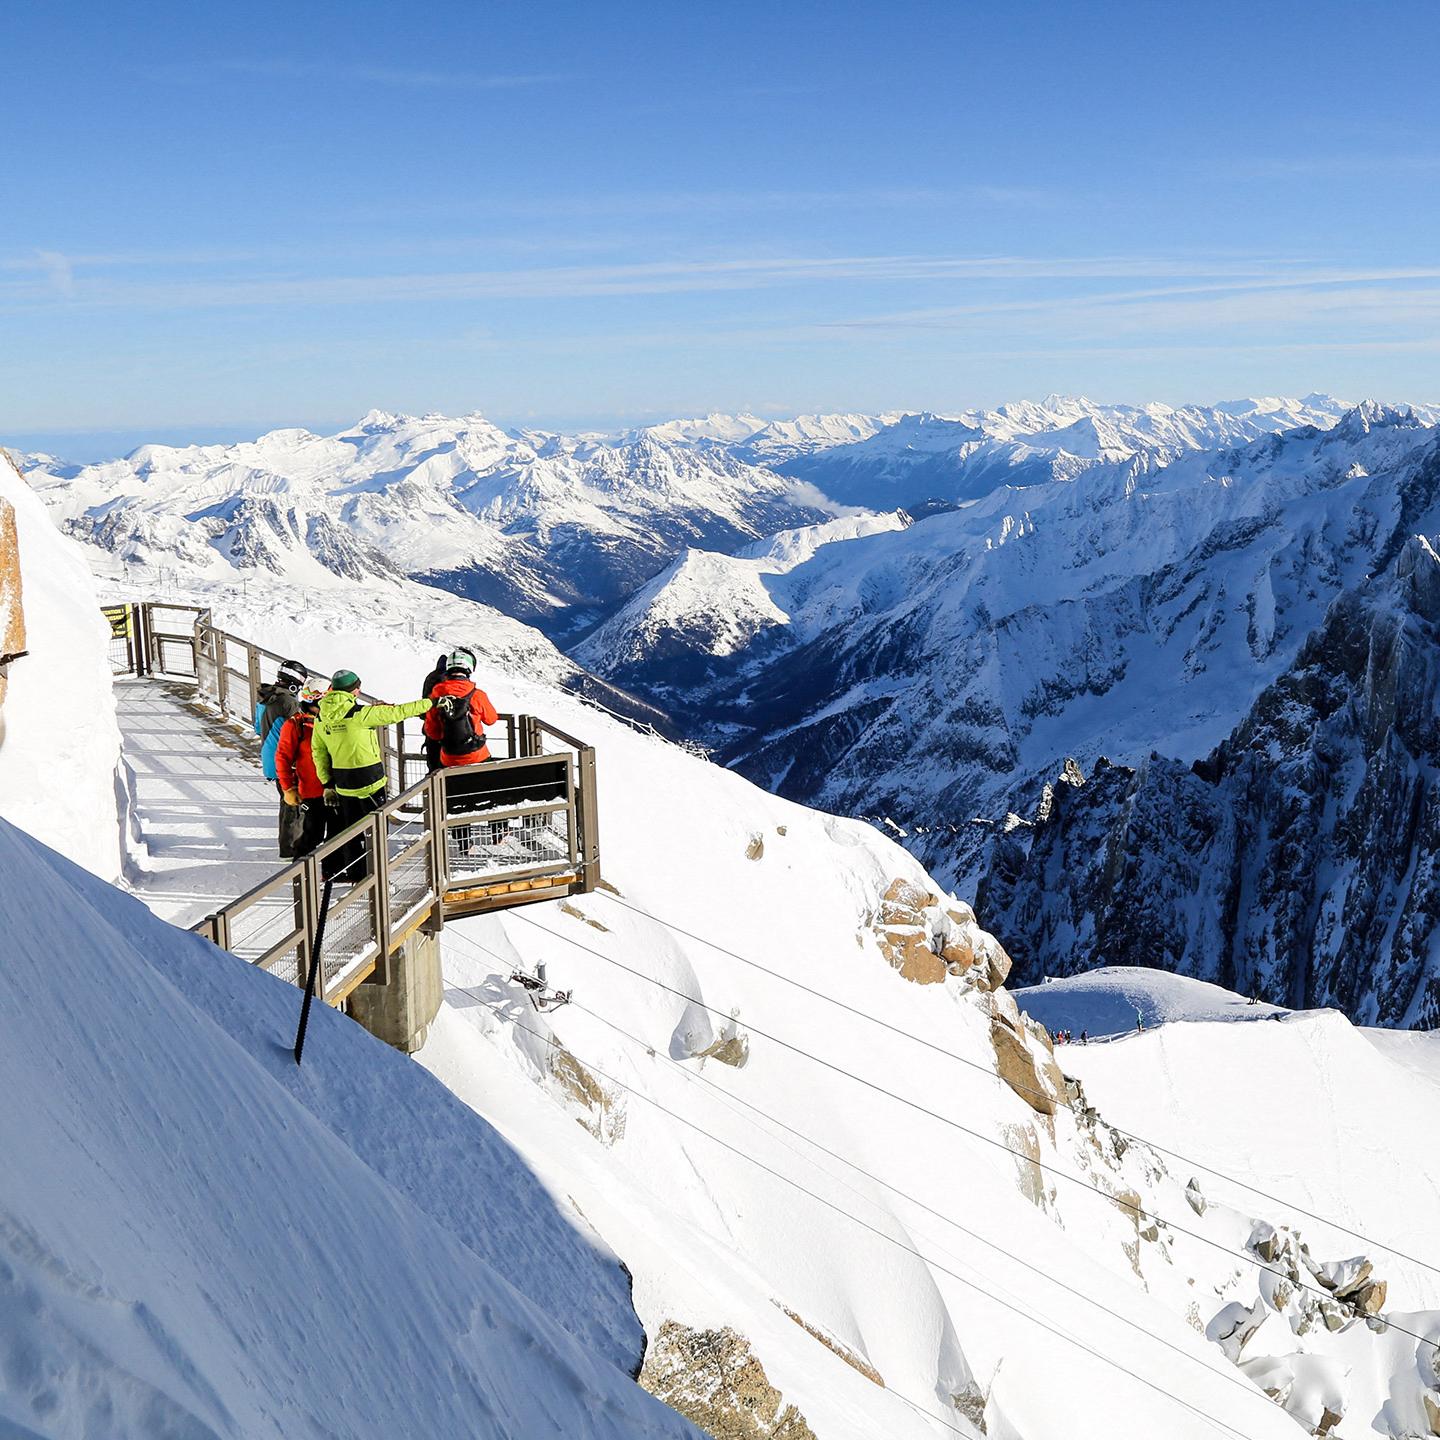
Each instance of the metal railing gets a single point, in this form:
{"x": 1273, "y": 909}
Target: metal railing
{"x": 522, "y": 826}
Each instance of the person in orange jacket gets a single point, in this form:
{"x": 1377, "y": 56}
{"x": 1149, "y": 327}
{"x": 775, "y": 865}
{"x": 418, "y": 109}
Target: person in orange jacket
{"x": 459, "y": 730}
{"x": 300, "y": 786}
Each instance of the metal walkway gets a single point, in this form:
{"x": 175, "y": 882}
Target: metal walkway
{"x": 518, "y": 829}
{"x": 206, "y": 816}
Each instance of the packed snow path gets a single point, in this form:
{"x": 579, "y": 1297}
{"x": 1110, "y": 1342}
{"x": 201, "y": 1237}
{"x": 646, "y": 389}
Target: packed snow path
{"x": 206, "y": 817}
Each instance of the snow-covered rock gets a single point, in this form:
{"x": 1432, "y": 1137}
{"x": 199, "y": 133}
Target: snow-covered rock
{"x": 58, "y": 742}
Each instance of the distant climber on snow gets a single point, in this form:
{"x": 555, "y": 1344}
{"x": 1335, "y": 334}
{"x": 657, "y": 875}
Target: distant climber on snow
{"x": 300, "y": 786}
{"x": 459, "y": 733}
{"x": 275, "y": 703}
{"x": 346, "y": 751}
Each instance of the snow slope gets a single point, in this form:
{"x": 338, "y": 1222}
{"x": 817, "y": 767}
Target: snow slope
{"x": 707, "y": 606}
{"x": 197, "y": 1239}
{"x": 1310, "y": 1109}
{"x": 59, "y": 744}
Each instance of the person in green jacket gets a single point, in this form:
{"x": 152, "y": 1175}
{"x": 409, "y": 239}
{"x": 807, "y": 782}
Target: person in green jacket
{"x": 345, "y": 746}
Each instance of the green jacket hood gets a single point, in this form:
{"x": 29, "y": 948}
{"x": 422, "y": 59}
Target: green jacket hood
{"x": 335, "y": 705}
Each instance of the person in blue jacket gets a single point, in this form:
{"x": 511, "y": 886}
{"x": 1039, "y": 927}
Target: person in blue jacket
{"x": 274, "y": 705}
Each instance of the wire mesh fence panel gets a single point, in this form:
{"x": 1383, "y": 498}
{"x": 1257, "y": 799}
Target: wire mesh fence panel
{"x": 351, "y": 935}
{"x": 122, "y": 638}
{"x": 495, "y": 840}
{"x": 257, "y": 927}
{"x": 207, "y": 674}
{"x": 172, "y": 630}
{"x": 410, "y": 880}
{"x": 237, "y": 688}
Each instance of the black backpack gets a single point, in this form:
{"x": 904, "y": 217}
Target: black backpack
{"x": 459, "y": 735}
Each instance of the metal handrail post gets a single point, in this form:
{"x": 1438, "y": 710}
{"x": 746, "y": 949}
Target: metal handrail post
{"x": 197, "y": 646}
{"x": 136, "y": 640}
{"x": 222, "y": 667}
{"x": 589, "y": 816}
{"x": 252, "y": 669}
{"x": 380, "y": 828}
{"x": 434, "y": 817}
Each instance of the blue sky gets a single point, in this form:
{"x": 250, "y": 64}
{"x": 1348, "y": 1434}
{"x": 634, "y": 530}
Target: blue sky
{"x": 223, "y": 218}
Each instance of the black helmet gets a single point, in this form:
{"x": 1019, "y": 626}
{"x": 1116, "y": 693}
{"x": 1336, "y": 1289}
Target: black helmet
{"x": 292, "y": 674}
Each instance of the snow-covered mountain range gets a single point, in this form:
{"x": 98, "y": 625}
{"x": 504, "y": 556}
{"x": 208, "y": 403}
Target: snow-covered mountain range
{"x": 539, "y": 525}
{"x": 857, "y": 1191}
{"x": 558, "y": 530}
{"x": 918, "y": 458}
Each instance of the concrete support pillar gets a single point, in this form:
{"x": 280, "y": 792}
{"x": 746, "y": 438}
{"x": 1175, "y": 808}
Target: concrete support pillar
{"x": 400, "y": 1011}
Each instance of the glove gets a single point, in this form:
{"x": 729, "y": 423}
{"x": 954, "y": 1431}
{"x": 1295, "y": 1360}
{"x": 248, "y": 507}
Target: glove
{"x": 291, "y": 798}
{"x": 445, "y": 704}
{"x": 332, "y": 796}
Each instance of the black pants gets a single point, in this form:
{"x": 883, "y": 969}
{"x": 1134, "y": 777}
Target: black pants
{"x": 351, "y": 862}
{"x": 289, "y": 827}
{"x": 314, "y": 825}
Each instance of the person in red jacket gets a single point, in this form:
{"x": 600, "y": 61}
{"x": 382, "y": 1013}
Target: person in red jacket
{"x": 300, "y": 786}
{"x": 460, "y": 733}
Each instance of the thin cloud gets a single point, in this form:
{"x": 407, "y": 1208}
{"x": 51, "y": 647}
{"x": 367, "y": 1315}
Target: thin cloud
{"x": 647, "y": 204}
{"x": 346, "y": 73}
{"x": 638, "y": 278}
{"x": 58, "y": 271}
{"x": 1330, "y": 288}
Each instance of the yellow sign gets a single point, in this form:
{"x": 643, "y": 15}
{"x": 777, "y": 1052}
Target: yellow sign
{"x": 119, "y": 618}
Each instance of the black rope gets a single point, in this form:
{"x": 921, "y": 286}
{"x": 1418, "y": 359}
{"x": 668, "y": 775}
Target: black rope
{"x": 314, "y": 969}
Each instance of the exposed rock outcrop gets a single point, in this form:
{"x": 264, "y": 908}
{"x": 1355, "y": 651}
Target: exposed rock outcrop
{"x": 927, "y": 938}
{"x": 12, "y": 606}
{"x": 714, "y": 1378}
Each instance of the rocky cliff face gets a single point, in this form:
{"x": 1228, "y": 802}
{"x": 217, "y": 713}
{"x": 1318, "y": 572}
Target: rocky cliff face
{"x": 12, "y": 608}
{"x": 1298, "y": 860}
